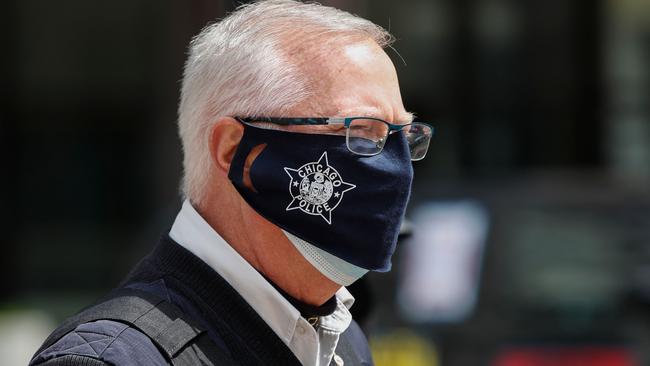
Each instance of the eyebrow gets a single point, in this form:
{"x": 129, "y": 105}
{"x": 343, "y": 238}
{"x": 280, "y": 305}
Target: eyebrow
{"x": 407, "y": 116}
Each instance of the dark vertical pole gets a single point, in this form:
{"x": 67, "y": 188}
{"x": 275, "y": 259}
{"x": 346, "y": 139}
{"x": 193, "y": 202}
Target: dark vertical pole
{"x": 589, "y": 54}
{"x": 9, "y": 150}
{"x": 464, "y": 88}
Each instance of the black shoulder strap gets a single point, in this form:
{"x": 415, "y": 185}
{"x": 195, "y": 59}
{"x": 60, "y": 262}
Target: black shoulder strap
{"x": 179, "y": 339}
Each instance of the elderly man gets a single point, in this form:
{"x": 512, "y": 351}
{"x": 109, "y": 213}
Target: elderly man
{"x": 298, "y": 169}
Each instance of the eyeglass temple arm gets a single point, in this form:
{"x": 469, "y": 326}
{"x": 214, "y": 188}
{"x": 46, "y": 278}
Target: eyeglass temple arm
{"x": 292, "y": 121}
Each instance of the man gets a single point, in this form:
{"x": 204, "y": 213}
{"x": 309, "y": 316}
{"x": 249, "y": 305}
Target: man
{"x": 297, "y": 156}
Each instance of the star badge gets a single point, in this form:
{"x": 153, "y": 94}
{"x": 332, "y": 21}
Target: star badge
{"x": 316, "y": 188}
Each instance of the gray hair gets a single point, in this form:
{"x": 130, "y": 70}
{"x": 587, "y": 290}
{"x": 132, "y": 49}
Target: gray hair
{"x": 239, "y": 67}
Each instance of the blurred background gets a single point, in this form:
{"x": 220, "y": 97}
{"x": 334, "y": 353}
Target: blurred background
{"x": 530, "y": 217}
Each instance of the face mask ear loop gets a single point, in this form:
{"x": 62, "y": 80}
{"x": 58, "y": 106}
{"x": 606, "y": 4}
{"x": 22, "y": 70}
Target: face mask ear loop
{"x": 236, "y": 173}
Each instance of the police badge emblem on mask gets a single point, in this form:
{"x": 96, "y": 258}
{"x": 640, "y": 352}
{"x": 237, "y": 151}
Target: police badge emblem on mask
{"x": 342, "y": 211}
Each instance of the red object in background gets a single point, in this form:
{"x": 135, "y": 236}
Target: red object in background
{"x": 566, "y": 356}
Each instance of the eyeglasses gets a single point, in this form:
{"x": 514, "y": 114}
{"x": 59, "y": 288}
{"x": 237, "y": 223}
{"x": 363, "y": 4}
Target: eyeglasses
{"x": 363, "y": 135}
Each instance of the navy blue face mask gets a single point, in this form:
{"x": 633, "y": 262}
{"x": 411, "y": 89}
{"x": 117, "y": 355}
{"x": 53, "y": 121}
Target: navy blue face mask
{"x": 312, "y": 186}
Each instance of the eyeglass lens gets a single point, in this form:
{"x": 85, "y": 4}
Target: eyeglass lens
{"x": 368, "y": 137}
{"x": 418, "y": 136}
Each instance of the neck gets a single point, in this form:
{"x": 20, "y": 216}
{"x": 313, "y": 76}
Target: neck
{"x": 267, "y": 249}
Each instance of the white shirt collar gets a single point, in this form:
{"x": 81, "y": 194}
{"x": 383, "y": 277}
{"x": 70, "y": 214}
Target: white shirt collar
{"x": 192, "y": 232}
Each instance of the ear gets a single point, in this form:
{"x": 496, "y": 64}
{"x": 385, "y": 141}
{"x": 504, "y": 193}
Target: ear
{"x": 225, "y": 135}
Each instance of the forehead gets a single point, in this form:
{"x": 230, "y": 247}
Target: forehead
{"x": 352, "y": 78}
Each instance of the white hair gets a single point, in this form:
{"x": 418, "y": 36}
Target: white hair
{"x": 240, "y": 66}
